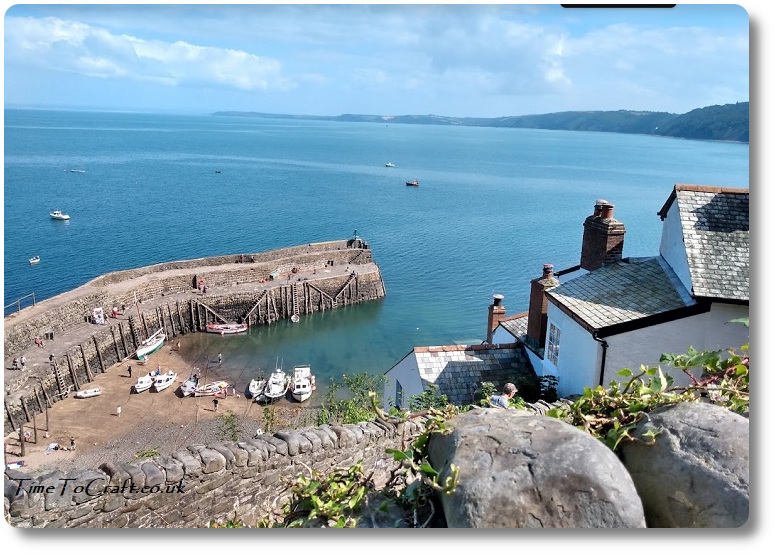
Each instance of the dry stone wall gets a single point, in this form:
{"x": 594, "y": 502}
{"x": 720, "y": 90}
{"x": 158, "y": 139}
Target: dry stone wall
{"x": 243, "y": 481}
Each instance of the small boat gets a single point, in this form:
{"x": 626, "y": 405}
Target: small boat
{"x": 414, "y": 183}
{"x": 161, "y": 382}
{"x": 188, "y": 387}
{"x": 56, "y": 214}
{"x": 303, "y": 384}
{"x": 227, "y": 328}
{"x": 88, "y": 393}
{"x": 256, "y": 386}
{"x": 211, "y": 389}
{"x": 34, "y": 260}
{"x": 144, "y": 382}
{"x": 390, "y": 164}
{"x": 77, "y": 171}
{"x": 150, "y": 345}
{"x": 276, "y": 387}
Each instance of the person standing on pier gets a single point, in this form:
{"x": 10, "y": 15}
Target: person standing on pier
{"x": 129, "y": 370}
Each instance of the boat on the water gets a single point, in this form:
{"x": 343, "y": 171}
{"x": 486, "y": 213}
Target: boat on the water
{"x": 144, "y": 382}
{"x": 390, "y": 164}
{"x": 211, "y": 389}
{"x": 34, "y": 260}
{"x": 188, "y": 386}
{"x": 276, "y": 387}
{"x": 303, "y": 384}
{"x": 151, "y": 345}
{"x": 161, "y": 382}
{"x": 227, "y": 328}
{"x": 414, "y": 183}
{"x": 56, "y": 214}
{"x": 88, "y": 393}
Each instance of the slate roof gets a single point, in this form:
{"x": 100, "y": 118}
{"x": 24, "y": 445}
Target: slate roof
{"x": 516, "y": 324}
{"x": 715, "y": 226}
{"x": 457, "y": 370}
{"x": 621, "y": 292}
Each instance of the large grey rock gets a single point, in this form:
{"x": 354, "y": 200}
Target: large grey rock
{"x": 522, "y": 470}
{"x": 696, "y": 473}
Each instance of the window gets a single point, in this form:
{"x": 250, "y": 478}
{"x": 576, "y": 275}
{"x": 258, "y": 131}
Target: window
{"x": 553, "y": 348}
{"x": 399, "y": 395}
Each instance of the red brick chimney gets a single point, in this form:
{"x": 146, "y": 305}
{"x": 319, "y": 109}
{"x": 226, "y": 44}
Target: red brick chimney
{"x": 536, "y": 317}
{"x": 496, "y": 314}
{"x": 603, "y": 240}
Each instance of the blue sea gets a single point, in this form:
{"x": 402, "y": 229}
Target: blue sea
{"x": 492, "y": 207}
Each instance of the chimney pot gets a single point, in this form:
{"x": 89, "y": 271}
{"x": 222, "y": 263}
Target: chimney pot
{"x": 497, "y": 299}
{"x": 599, "y": 206}
{"x": 607, "y": 211}
{"x": 548, "y": 271}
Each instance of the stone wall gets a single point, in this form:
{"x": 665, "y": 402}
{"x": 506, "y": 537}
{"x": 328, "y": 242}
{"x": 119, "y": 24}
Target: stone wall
{"x": 242, "y": 481}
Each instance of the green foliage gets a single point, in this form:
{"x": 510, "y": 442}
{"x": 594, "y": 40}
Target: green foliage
{"x": 349, "y": 401}
{"x": 228, "y": 524}
{"x": 429, "y": 398}
{"x": 148, "y": 453}
{"x": 229, "y": 429}
{"x": 270, "y": 418}
{"x": 486, "y": 389}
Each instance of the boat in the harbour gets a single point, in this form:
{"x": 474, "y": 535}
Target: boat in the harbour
{"x": 144, "y": 382}
{"x": 34, "y": 260}
{"x": 303, "y": 383}
{"x": 414, "y": 183}
{"x": 88, "y": 393}
{"x": 255, "y": 387}
{"x": 211, "y": 389}
{"x": 77, "y": 171}
{"x": 276, "y": 387}
{"x": 161, "y": 382}
{"x": 151, "y": 345}
{"x": 56, "y": 214}
{"x": 390, "y": 164}
{"x": 227, "y": 328}
{"x": 188, "y": 386}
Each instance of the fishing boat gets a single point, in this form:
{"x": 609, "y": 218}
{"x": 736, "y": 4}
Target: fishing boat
{"x": 390, "y": 164}
{"x": 188, "y": 386}
{"x": 211, "y": 389}
{"x": 276, "y": 387}
{"x": 303, "y": 384}
{"x": 56, "y": 214}
{"x": 144, "y": 382}
{"x": 151, "y": 345}
{"x": 414, "y": 183}
{"x": 256, "y": 386}
{"x": 88, "y": 393}
{"x": 161, "y": 382}
{"x": 34, "y": 260}
{"x": 227, "y": 328}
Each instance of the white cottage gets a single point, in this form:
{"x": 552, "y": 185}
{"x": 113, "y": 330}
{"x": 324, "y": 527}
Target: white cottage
{"x": 589, "y": 321}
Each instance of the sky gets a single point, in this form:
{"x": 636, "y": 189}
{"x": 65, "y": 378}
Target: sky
{"x": 400, "y": 59}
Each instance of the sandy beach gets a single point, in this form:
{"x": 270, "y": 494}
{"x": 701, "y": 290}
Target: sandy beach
{"x": 163, "y": 421}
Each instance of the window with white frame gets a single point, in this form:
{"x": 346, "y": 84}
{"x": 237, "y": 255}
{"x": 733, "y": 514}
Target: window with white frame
{"x": 553, "y": 348}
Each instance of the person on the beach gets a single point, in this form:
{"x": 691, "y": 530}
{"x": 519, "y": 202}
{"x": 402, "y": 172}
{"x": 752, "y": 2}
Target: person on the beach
{"x": 129, "y": 370}
{"x": 215, "y": 404}
{"x": 220, "y": 358}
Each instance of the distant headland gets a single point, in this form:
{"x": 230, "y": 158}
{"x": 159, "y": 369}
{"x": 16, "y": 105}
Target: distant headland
{"x": 728, "y": 122}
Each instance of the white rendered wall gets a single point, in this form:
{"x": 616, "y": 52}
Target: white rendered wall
{"x": 407, "y": 373}
{"x": 672, "y": 247}
{"x": 578, "y": 362}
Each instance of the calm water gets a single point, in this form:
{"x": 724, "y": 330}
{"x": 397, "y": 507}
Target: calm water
{"x": 493, "y": 206}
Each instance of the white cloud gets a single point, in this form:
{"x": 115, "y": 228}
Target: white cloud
{"x": 66, "y": 46}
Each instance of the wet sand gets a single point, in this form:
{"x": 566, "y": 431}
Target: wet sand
{"x": 163, "y": 421}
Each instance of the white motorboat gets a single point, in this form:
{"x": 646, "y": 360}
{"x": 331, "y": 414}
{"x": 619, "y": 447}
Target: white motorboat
{"x": 390, "y": 164}
{"x": 88, "y": 393}
{"x": 56, "y": 214}
{"x": 188, "y": 386}
{"x": 255, "y": 387}
{"x": 303, "y": 383}
{"x": 227, "y": 328}
{"x": 144, "y": 382}
{"x": 276, "y": 387}
{"x": 161, "y": 382}
{"x": 151, "y": 345}
{"x": 211, "y": 389}
{"x": 34, "y": 260}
